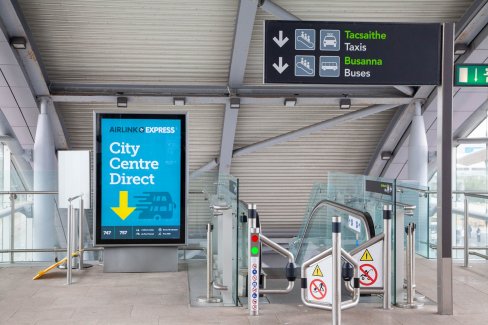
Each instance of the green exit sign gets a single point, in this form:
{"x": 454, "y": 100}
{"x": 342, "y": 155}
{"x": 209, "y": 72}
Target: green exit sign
{"x": 474, "y": 75}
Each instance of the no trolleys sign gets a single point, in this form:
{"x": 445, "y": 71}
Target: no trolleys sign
{"x": 315, "y": 52}
{"x": 319, "y": 281}
{"x": 370, "y": 262}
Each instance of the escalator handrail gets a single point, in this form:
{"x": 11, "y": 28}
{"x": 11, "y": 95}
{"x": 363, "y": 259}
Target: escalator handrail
{"x": 364, "y": 216}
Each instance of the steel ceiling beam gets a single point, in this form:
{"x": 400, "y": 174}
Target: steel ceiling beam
{"x": 60, "y": 89}
{"x": 31, "y": 62}
{"x": 290, "y": 136}
{"x": 277, "y": 11}
{"x": 409, "y": 91}
{"x": 377, "y": 167}
{"x": 471, "y": 122}
{"x": 255, "y": 100}
{"x": 317, "y": 127}
{"x": 396, "y": 133}
{"x": 240, "y": 50}
{"x": 473, "y": 20}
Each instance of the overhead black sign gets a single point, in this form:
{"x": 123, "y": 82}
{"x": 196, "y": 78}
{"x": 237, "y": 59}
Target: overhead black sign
{"x": 379, "y": 187}
{"x": 352, "y": 53}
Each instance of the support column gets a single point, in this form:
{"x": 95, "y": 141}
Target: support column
{"x": 418, "y": 148}
{"x": 45, "y": 179}
{"x": 444, "y": 175}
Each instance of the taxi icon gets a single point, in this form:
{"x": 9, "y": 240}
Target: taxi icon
{"x": 330, "y": 40}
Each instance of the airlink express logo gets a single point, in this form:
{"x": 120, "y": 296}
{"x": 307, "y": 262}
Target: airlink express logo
{"x": 143, "y": 129}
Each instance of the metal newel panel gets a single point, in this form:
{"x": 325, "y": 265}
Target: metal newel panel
{"x": 444, "y": 175}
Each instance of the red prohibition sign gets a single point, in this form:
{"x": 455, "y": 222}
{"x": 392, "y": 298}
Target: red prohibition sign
{"x": 318, "y": 289}
{"x": 368, "y": 275}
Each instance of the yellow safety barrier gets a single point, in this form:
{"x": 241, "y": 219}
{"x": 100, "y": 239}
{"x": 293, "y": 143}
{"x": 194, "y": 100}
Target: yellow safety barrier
{"x": 55, "y": 265}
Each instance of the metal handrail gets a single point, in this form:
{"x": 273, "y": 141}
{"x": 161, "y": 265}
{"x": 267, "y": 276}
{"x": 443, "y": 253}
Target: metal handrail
{"x": 479, "y": 255}
{"x": 28, "y": 192}
{"x": 476, "y": 195}
{"x": 44, "y": 250}
{"x": 285, "y": 253}
{"x": 339, "y": 207}
{"x": 468, "y": 193}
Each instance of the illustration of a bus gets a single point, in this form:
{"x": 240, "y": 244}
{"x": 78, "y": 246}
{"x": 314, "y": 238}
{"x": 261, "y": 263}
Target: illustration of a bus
{"x": 156, "y": 205}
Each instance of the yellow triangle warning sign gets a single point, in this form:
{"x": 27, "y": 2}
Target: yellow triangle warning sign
{"x": 317, "y": 271}
{"x": 366, "y": 256}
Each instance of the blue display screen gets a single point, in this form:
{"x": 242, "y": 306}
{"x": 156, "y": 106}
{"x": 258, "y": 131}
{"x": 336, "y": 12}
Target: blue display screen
{"x": 140, "y": 178}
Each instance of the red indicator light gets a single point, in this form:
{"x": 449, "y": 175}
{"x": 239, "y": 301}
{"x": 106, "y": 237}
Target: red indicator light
{"x": 254, "y": 238}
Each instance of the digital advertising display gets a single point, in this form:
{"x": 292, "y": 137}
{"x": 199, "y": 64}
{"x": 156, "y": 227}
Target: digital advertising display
{"x": 140, "y": 179}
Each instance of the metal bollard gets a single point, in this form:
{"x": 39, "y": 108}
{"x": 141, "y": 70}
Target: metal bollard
{"x": 387, "y": 211}
{"x": 12, "y": 225}
{"x": 336, "y": 270}
{"x": 208, "y": 298}
{"x": 410, "y": 257}
{"x": 80, "y": 235}
{"x": 69, "y": 248}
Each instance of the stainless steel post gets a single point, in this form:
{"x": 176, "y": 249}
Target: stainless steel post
{"x": 410, "y": 256}
{"x": 409, "y": 265}
{"x": 387, "y": 210}
{"x": 208, "y": 298}
{"x": 413, "y": 254}
{"x": 69, "y": 248}
{"x": 12, "y": 225}
{"x": 336, "y": 270}
{"x": 466, "y": 239}
{"x": 209, "y": 261}
{"x": 80, "y": 235}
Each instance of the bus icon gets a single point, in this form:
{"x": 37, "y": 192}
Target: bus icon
{"x": 156, "y": 205}
{"x": 329, "y": 66}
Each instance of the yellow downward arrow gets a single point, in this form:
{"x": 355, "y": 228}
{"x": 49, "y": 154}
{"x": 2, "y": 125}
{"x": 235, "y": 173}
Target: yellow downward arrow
{"x": 123, "y": 210}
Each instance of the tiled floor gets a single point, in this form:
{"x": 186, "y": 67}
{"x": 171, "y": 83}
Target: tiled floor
{"x": 162, "y": 298}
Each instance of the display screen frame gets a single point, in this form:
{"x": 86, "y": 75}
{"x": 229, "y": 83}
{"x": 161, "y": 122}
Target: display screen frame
{"x": 98, "y": 116}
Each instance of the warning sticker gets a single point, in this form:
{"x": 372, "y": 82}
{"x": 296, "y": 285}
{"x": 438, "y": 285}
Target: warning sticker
{"x": 366, "y": 256}
{"x": 319, "y": 281}
{"x": 317, "y": 271}
{"x": 370, "y": 262}
{"x": 367, "y": 275}
{"x": 318, "y": 289}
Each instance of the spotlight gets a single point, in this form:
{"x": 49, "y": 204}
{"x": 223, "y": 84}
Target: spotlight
{"x": 18, "y": 43}
{"x": 179, "y": 101}
{"x": 460, "y": 49}
{"x": 345, "y": 103}
{"x": 122, "y": 102}
{"x": 235, "y": 102}
{"x": 290, "y": 102}
{"x": 386, "y": 155}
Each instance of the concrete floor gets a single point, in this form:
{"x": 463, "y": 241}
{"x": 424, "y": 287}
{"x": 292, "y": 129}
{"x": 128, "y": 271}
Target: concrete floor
{"x": 163, "y": 298}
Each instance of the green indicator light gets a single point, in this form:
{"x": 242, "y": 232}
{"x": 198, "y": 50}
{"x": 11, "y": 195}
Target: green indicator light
{"x": 254, "y": 250}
